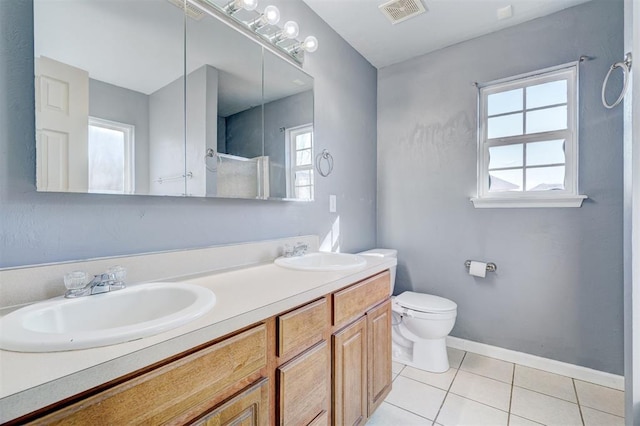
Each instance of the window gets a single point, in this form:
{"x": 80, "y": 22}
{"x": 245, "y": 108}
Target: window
{"x": 300, "y": 157}
{"x": 111, "y": 159}
{"x": 528, "y": 145}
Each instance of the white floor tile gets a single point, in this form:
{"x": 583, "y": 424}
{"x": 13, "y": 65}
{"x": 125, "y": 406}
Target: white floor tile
{"x": 601, "y": 398}
{"x": 545, "y": 382}
{"x": 461, "y": 411}
{"x": 396, "y": 367}
{"x": 520, "y": 421}
{"x": 439, "y": 380}
{"x": 598, "y": 418}
{"x": 488, "y": 367}
{"x": 390, "y": 415}
{"x": 482, "y": 389}
{"x": 416, "y": 397}
{"x": 455, "y": 357}
{"x": 543, "y": 408}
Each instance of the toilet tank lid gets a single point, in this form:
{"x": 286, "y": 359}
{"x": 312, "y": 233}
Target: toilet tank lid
{"x": 380, "y": 252}
{"x": 425, "y": 302}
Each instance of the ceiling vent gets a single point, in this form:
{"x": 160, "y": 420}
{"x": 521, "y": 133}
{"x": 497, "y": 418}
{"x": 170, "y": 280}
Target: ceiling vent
{"x": 192, "y": 12}
{"x": 401, "y": 10}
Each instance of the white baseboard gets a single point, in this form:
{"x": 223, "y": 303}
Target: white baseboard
{"x": 565, "y": 369}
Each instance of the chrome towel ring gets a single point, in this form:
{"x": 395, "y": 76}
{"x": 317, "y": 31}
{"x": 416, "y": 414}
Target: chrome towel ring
{"x": 324, "y": 157}
{"x": 626, "y": 69}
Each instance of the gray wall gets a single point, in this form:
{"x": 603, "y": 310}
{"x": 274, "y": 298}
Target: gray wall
{"x": 558, "y": 289}
{"x": 243, "y": 132}
{"x": 48, "y": 227}
{"x": 116, "y": 103}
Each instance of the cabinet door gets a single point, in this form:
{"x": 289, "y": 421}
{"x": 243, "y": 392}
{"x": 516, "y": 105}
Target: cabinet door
{"x": 250, "y": 408}
{"x": 350, "y": 374}
{"x": 379, "y": 334}
{"x": 303, "y": 386}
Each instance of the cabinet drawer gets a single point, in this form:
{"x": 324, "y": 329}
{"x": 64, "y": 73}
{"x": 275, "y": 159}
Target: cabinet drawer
{"x": 250, "y": 408}
{"x": 301, "y": 328}
{"x": 175, "y": 390}
{"x": 354, "y": 301}
{"x": 303, "y": 386}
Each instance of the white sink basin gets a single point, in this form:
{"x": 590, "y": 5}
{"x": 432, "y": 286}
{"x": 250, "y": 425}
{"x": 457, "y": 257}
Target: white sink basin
{"x": 322, "y": 262}
{"x": 103, "y": 319}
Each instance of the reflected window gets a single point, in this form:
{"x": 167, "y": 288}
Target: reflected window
{"x": 300, "y": 157}
{"x": 111, "y": 159}
{"x": 528, "y": 136}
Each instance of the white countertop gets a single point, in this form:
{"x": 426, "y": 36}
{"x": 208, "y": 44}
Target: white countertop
{"x": 29, "y": 381}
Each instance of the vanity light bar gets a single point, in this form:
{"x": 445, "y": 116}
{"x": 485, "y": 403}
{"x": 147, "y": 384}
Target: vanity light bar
{"x": 284, "y": 39}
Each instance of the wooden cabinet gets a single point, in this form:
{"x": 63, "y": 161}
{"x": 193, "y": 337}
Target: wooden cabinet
{"x": 361, "y": 374}
{"x": 349, "y": 379}
{"x": 303, "y": 387}
{"x": 379, "y": 351}
{"x": 327, "y": 361}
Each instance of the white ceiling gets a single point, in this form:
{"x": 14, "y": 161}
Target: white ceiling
{"x": 445, "y": 23}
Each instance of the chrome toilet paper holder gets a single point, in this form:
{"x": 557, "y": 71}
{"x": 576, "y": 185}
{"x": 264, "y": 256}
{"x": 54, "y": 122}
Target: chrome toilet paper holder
{"x": 491, "y": 267}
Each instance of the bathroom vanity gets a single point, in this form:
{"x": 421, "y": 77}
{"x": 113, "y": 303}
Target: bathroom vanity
{"x": 280, "y": 347}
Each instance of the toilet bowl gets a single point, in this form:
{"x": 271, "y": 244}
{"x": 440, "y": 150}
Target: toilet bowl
{"x": 420, "y": 325}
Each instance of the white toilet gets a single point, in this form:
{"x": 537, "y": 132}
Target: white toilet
{"x": 421, "y": 323}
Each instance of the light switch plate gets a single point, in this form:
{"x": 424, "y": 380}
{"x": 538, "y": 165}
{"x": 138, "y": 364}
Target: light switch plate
{"x": 332, "y": 203}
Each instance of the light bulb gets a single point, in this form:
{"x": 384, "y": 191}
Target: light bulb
{"x": 235, "y": 5}
{"x": 310, "y": 44}
{"x": 290, "y": 29}
{"x": 271, "y": 15}
{"x": 248, "y": 4}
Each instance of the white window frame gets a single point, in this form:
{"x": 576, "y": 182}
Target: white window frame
{"x": 569, "y": 197}
{"x": 129, "y": 151}
{"x": 291, "y": 167}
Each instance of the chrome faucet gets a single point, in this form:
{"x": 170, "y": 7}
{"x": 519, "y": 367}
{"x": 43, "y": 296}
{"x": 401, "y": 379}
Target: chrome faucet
{"x": 298, "y": 249}
{"x": 111, "y": 280}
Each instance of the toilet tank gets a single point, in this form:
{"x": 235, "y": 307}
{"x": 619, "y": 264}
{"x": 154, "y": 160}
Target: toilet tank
{"x": 380, "y": 252}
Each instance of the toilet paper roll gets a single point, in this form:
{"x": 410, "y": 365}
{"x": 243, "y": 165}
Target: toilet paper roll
{"x": 478, "y": 269}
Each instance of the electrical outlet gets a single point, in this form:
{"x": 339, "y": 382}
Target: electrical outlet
{"x": 332, "y": 204}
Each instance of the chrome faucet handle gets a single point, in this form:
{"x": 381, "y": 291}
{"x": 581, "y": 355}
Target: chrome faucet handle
{"x": 287, "y": 250}
{"x": 300, "y": 249}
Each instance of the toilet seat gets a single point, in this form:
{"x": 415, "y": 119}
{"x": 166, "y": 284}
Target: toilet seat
{"x": 425, "y": 303}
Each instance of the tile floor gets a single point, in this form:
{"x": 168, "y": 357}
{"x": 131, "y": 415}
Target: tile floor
{"x": 478, "y": 390}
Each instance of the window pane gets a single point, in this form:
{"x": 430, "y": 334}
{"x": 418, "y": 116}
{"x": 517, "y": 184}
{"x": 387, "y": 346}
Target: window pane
{"x": 303, "y": 177}
{"x": 499, "y": 103}
{"x": 548, "y": 152}
{"x": 505, "y": 180}
{"x": 505, "y": 125}
{"x": 303, "y": 157}
{"x": 303, "y": 193}
{"x": 106, "y": 159}
{"x": 505, "y": 156}
{"x": 545, "y": 178}
{"x": 303, "y": 141}
{"x": 546, "y": 120}
{"x": 552, "y": 93}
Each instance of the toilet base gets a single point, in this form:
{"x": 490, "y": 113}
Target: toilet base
{"x": 429, "y": 354}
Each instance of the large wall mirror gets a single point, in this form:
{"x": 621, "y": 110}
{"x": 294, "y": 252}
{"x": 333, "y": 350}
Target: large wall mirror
{"x": 132, "y": 98}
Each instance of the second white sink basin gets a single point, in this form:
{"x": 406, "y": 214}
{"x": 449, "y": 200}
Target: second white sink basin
{"x": 322, "y": 262}
{"x": 104, "y": 319}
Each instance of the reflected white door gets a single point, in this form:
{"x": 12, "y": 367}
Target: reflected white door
{"x": 62, "y": 120}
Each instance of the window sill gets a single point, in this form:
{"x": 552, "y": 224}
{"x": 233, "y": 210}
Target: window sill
{"x": 501, "y": 203}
